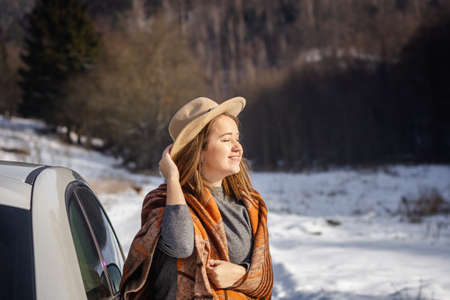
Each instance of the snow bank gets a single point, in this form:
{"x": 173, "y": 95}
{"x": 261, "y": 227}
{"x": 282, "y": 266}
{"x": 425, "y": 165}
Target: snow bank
{"x": 333, "y": 235}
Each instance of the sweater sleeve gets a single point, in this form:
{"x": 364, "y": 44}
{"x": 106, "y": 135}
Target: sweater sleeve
{"x": 177, "y": 232}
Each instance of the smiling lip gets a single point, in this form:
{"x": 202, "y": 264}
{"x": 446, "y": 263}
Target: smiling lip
{"x": 235, "y": 158}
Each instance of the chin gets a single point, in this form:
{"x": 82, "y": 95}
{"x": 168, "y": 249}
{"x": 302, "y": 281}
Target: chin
{"x": 235, "y": 170}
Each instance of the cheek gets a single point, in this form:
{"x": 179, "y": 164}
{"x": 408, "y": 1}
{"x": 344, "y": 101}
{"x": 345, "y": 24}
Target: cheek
{"x": 215, "y": 154}
{"x": 219, "y": 154}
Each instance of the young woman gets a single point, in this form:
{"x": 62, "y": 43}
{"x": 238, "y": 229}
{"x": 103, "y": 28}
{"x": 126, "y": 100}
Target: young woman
{"x": 204, "y": 233}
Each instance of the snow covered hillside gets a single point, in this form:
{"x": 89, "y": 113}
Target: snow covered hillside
{"x": 333, "y": 235}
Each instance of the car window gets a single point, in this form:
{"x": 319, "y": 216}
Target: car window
{"x": 90, "y": 263}
{"x": 16, "y": 254}
{"x": 106, "y": 239}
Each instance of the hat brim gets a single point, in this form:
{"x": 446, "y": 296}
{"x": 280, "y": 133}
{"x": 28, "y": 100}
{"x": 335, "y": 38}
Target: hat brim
{"x": 232, "y": 106}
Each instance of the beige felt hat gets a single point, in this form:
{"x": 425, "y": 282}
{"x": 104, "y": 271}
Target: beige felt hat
{"x": 192, "y": 117}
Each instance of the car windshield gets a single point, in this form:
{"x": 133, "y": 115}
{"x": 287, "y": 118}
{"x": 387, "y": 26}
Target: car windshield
{"x": 16, "y": 254}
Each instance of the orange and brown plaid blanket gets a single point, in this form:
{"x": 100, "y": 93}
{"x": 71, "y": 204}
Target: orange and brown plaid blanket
{"x": 209, "y": 243}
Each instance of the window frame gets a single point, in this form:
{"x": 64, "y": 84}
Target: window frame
{"x": 72, "y": 188}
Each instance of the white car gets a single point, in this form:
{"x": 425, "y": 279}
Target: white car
{"x": 56, "y": 241}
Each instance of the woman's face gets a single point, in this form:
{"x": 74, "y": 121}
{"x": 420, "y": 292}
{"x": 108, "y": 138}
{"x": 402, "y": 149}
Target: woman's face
{"x": 223, "y": 152}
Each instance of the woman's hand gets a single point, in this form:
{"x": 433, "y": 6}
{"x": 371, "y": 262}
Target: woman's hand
{"x": 167, "y": 166}
{"x": 224, "y": 274}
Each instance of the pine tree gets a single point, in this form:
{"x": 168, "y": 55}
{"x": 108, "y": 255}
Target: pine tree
{"x": 8, "y": 82}
{"x": 60, "y": 43}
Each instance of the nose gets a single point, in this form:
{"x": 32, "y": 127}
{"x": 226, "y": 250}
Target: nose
{"x": 237, "y": 147}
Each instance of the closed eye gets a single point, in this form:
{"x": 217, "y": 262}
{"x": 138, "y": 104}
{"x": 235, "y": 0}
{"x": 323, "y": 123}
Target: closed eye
{"x": 228, "y": 137}
{"x": 229, "y": 140}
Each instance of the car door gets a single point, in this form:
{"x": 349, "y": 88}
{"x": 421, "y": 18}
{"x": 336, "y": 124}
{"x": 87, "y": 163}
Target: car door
{"x": 16, "y": 254}
{"x": 99, "y": 253}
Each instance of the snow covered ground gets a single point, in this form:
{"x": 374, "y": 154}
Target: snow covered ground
{"x": 333, "y": 235}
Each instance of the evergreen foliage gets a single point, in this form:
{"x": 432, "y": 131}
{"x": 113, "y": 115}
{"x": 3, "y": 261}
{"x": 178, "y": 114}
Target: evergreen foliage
{"x": 8, "y": 86}
{"x": 426, "y": 59}
{"x": 60, "y": 43}
{"x": 336, "y": 82}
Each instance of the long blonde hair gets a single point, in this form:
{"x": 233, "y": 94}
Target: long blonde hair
{"x": 188, "y": 163}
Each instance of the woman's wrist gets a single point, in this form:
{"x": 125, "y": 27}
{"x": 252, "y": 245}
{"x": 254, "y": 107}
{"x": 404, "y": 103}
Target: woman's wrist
{"x": 173, "y": 179}
{"x": 174, "y": 192}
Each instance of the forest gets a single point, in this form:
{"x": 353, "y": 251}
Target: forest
{"x": 328, "y": 83}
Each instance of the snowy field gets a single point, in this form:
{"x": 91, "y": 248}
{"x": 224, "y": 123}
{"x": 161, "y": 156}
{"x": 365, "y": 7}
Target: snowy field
{"x": 333, "y": 235}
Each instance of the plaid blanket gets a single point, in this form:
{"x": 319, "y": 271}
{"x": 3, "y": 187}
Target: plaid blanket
{"x": 209, "y": 243}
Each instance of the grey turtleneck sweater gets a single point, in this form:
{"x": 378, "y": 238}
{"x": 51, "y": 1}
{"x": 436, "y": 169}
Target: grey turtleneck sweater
{"x": 177, "y": 241}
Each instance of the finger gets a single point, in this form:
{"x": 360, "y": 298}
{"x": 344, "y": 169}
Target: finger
{"x": 211, "y": 273}
{"x": 213, "y": 262}
{"x": 218, "y": 262}
{"x": 167, "y": 150}
{"x": 170, "y": 148}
